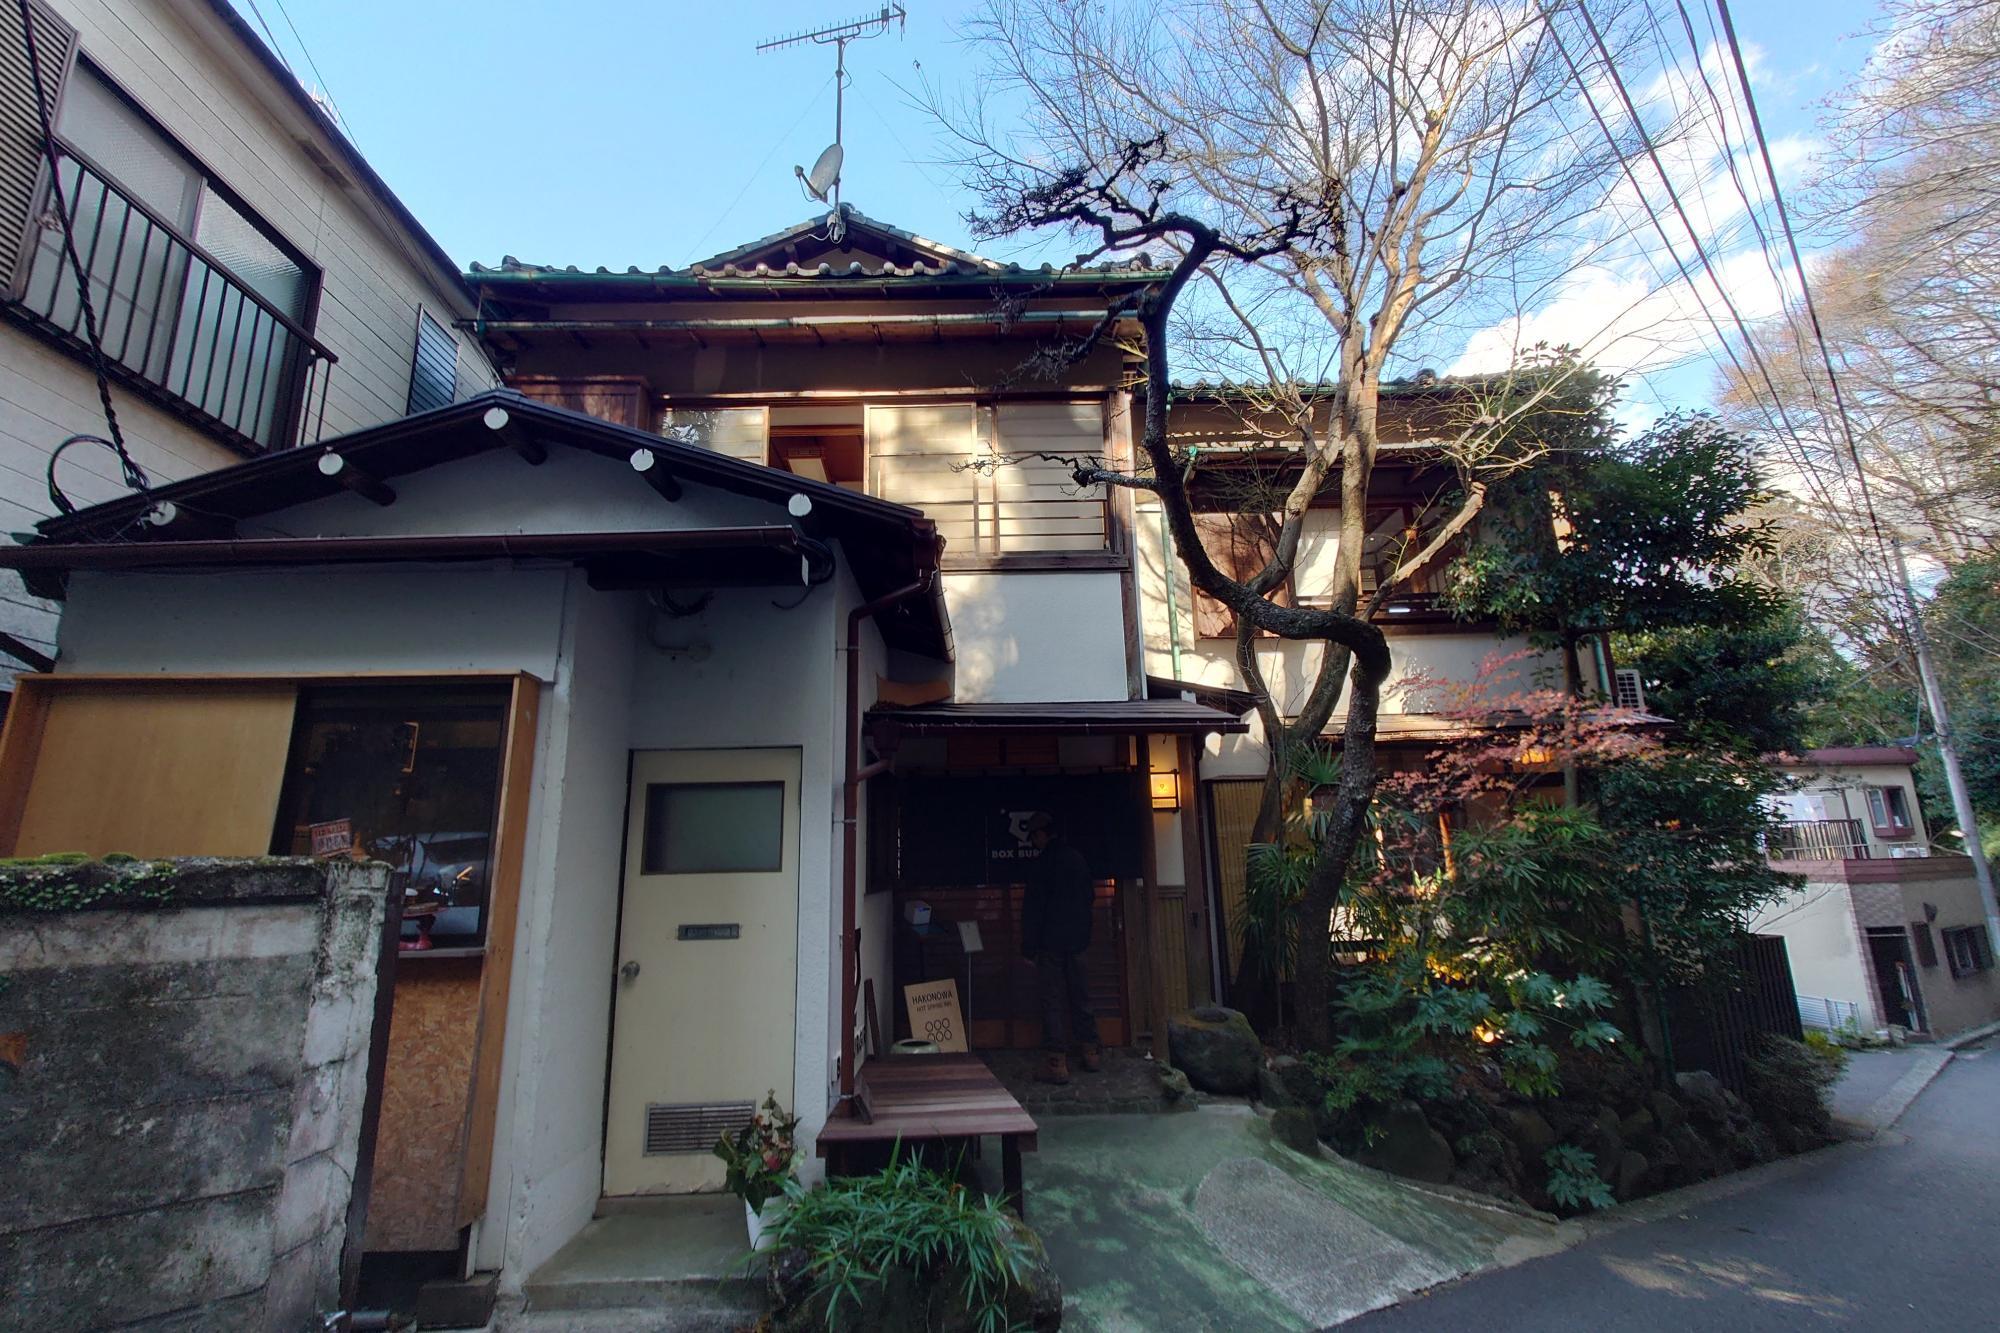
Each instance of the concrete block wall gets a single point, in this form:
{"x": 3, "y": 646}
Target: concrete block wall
{"x": 183, "y": 1067}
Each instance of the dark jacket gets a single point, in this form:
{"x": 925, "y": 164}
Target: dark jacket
{"x": 1055, "y": 914}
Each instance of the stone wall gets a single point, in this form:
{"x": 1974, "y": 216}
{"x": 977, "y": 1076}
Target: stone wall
{"x": 183, "y": 1066}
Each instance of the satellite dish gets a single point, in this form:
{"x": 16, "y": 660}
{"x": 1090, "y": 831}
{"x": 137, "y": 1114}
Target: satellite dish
{"x": 820, "y": 180}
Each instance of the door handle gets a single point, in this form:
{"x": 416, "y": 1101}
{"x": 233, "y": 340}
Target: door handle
{"x": 629, "y": 972}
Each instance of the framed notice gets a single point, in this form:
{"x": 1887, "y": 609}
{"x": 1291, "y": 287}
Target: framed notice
{"x": 333, "y": 838}
{"x": 934, "y": 1013}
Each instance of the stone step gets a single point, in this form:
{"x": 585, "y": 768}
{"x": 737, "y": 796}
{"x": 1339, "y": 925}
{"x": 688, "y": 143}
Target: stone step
{"x": 685, "y": 1312}
{"x": 646, "y": 1293}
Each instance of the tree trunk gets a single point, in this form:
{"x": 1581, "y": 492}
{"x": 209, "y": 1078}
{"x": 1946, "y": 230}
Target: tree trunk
{"x": 1344, "y": 829}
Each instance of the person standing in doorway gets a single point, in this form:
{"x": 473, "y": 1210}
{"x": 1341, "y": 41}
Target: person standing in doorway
{"x": 1055, "y": 932}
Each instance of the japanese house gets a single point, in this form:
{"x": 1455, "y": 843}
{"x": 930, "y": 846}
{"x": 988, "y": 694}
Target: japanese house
{"x": 254, "y": 283}
{"x": 1887, "y": 930}
{"x": 675, "y": 680}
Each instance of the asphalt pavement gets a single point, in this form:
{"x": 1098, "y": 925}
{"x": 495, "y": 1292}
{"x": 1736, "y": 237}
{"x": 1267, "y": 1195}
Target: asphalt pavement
{"x": 1902, "y": 1232}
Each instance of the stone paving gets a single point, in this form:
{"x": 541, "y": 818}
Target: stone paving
{"x": 1128, "y": 1084}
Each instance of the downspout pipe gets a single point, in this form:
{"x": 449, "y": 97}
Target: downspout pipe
{"x": 850, "y": 828}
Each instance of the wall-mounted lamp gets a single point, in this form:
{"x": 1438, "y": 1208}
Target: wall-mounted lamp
{"x": 1166, "y": 790}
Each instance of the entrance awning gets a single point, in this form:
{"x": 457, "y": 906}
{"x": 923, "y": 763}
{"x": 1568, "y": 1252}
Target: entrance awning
{"x": 1096, "y": 717}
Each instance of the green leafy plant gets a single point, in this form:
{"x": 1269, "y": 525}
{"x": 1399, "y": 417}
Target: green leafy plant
{"x": 763, "y": 1156}
{"x": 856, "y": 1231}
{"x": 1787, "y": 1083}
{"x": 1573, "y": 1180}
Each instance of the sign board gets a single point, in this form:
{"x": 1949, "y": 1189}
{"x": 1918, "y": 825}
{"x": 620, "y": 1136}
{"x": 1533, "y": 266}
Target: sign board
{"x": 974, "y": 830}
{"x": 333, "y": 838}
{"x": 934, "y": 1013}
{"x": 968, "y": 937}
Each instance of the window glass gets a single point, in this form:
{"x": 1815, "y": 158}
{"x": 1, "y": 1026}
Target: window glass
{"x": 409, "y": 775}
{"x": 105, "y": 129}
{"x": 736, "y": 431}
{"x": 714, "y": 828}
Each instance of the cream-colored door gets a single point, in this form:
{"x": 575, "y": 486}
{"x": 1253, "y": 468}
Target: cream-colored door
{"x": 703, "y": 1025}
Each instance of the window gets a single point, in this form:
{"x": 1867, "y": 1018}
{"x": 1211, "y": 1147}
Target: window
{"x": 434, "y": 368}
{"x": 405, "y": 774}
{"x": 1967, "y": 949}
{"x": 736, "y": 431}
{"x": 992, "y": 478}
{"x": 196, "y": 298}
{"x": 1889, "y": 811}
{"x": 695, "y": 828}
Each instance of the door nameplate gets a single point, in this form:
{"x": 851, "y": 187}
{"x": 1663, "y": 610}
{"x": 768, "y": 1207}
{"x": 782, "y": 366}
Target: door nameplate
{"x": 723, "y": 931}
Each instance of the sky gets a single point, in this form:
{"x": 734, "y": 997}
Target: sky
{"x": 650, "y": 132}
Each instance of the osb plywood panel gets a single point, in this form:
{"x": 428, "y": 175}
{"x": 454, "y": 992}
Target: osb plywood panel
{"x": 426, "y": 1094}
{"x": 115, "y": 771}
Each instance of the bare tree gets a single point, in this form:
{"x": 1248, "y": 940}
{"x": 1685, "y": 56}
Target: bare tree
{"x": 1910, "y": 300}
{"x": 1343, "y": 186}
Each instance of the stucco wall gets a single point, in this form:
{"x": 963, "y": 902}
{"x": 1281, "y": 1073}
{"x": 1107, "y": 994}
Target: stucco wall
{"x": 181, "y": 1134}
{"x": 548, "y": 1155}
{"x": 1829, "y": 960}
{"x": 1841, "y": 792}
{"x": 1037, "y": 638}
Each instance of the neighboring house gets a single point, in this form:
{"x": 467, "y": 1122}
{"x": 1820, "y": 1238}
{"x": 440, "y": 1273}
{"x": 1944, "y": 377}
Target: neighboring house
{"x": 1237, "y": 473}
{"x": 1887, "y": 930}
{"x": 254, "y": 283}
{"x": 723, "y": 707}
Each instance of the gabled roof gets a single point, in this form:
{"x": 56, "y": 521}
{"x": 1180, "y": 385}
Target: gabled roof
{"x": 863, "y": 233}
{"x": 869, "y": 249}
{"x": 887, "y": 546}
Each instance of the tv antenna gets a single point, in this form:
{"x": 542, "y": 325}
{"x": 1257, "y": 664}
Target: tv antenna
{"x": 823, "y": 181}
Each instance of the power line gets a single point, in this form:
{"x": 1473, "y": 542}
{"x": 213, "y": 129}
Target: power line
{"x": 263, "y": 23}
{"x": 319, "y": 78}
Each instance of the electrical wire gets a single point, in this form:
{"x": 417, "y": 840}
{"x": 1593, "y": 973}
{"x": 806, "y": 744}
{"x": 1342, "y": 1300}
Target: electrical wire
{"x": 758, "y": 170}
{"x": 1805, "y": 285}
{"x": 135, "y": 476}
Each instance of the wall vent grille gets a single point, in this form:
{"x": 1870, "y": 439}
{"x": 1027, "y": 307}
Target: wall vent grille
{"x": 692, "y": 1127}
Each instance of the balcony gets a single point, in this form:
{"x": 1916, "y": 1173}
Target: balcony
{"x": 175, "y": 323}
{"x": 1817, "y": 840}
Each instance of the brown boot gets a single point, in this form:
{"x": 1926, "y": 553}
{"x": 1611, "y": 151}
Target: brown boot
{"x": 1055, "y": 1069}
{"x": 1092, "y": 1057}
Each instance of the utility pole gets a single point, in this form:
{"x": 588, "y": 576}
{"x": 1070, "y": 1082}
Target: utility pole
{"x": 1954, "y": 776}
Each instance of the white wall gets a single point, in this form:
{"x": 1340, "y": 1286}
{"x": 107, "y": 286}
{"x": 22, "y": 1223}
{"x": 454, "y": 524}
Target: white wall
{"x": 548, "y": 1143}
{"x": 191, "y": 75}
{"x": 1037, "y": 638}
{"x": 1824, "y": 944}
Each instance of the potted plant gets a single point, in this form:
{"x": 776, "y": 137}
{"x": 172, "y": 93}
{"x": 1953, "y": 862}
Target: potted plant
{"x": 762, "y": 1157}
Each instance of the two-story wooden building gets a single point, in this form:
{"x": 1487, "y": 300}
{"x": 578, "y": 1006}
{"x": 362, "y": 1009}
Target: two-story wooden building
{"x": 678, "y": 680}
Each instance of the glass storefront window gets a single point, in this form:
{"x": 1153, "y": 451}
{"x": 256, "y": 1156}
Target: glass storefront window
{"x": 407, "y": 774}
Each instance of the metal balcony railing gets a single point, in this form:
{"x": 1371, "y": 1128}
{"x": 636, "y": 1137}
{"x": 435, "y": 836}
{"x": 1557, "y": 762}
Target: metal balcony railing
{"x": 173, "y": 321}
{"x": 1817, "y": 840}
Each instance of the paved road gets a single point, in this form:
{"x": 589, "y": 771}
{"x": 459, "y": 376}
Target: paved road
{"x": 1901, "y": 1234}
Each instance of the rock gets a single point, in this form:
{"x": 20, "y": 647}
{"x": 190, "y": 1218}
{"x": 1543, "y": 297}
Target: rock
{"x": 1490, "y": 1163}
{"x": 1293, "y": 1126}
{"x": 1629, "y": 1181}
{"x": 1529, "y": 1129}
{"x": 1605, "y": 1119}
{"x": 1400, "y": 1141}
{"x": 1216, "y": 1048}
{"x": 1636, "y": 1126}
{"x": 1705, "y": 1096}
{"x": 1666, "y": 1111}
{"x": 1698, "y": 1160}
{"x": 1271, "y": 1089}
{"x": 1175, "y": 1090}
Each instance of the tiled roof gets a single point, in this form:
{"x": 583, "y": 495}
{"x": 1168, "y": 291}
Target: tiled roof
{"x": 938, "y": 260}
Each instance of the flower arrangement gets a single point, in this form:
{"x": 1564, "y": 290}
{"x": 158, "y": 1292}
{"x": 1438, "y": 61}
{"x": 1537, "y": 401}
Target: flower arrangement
{"x": 762, "y": 1155}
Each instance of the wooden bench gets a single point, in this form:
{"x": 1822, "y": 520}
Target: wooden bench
{"x": 914, "y": 1098}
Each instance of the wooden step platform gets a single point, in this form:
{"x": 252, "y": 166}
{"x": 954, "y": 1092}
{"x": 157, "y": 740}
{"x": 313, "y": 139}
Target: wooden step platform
{"x": 923, "y": 1098}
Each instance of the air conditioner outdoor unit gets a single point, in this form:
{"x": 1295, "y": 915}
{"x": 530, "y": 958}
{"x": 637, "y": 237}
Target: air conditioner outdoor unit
{"x": 1626, "y": 691}
{"x": 1901, "y": 852}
